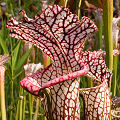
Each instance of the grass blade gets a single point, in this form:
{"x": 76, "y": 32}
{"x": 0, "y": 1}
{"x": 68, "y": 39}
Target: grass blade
{"x": 3, "y": 44}
{"x": 16, "y": 54}
{"x": 22, "y": 60}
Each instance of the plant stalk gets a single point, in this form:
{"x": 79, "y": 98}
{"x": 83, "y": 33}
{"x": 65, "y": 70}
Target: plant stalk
{"x": 11, "y": 112}
{"x": 30, "y": 106}
{"x": 79, "y": 9}
{"x": 21, "y": 104}
{"x": 66, "y": 3}
{"x": 37, "y": 108}
{"x": 107, "y": 20}
{"x": 114, "y": 78}
{"x": 2, "y": 92}
{"x": 17, "y": 112}
{"x": 115, "y": 58}
{"x": 24, "y": 103}
{"x": 99, "y": 23}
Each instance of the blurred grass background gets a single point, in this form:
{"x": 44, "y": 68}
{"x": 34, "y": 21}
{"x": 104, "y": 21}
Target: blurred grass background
{"x": 20, "y": 105}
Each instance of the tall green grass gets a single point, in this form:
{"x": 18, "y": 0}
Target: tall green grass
{"x": 19, "y": 104}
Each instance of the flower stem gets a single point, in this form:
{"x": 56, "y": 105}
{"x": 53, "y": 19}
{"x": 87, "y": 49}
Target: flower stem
{"x": 21, "y": 104}
{"x": 99, "y": 23}
{"x": 107, "y": 20}
{"x": 114, "y": 78}
{"x": 89, "y": 82}
{"x": 24, "y": 103}
{"x": 37, "y": 109}
{"x": 115, "y": 61}
{"x": 2, "y": 92}
{"x": 17, "y": 112}
{"x": 30, "y": 106}
{"x": 11, "y": 112}
{"x": 79, "y": 8}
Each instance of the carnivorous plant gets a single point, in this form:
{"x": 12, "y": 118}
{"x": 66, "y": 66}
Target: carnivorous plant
{"x": 60, "y": 34}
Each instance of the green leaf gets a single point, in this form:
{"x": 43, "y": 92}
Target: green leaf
{"x": 22, "y": 61}
{"x": 18, "y": 74}
{"x": 16, "y": 53}
{"x": 3, "y": 44}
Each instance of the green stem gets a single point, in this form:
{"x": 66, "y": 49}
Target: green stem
{"x": 21, "y": 104}
{"x": 30, "y": 106}
{"x": 79, "y": 8}
{"x": 114, "y": 78}
{"x": 89, "y": 82}
{"x": 99, "y": 23}
{"x": 107, "y": 20}
{"x": 115, "y": 46}
{"x": 11, "y": 85}
{"x": 19, "y": 3}
{"x": 37, "y": 108}
{"x": 2, "y": 92}
{"x": 19, "y": 107}
{"x": 17, "y": 112}
{"x": 11, "y": 112}
{"x": 24, "y": 102}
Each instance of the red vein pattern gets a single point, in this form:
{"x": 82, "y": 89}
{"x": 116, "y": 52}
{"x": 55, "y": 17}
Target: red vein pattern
{"x": 97, "y": 102}
{"x": 59, "y": 34}
{"x": 96, "y": 99}
{"x": 97, "y": 67}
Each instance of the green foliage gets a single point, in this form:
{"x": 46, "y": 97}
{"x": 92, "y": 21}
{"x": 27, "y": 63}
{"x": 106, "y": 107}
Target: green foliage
{"x": 3, "y": 40}
{"x": 17, "y": 108}
{"x": 22, "y": 61}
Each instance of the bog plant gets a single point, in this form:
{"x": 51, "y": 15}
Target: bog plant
{"x": 60, "y": 34}
{"x": 3, "y": 59}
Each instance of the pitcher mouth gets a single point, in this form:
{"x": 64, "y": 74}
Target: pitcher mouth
{"x": 33, "y": 87}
